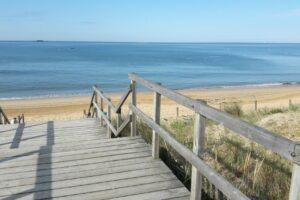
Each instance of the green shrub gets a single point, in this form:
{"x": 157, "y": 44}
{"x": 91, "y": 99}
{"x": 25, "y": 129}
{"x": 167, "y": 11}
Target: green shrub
{"x": 269, "y": 111}
{"x": 294, "y": 107}
{"x": 234, "y": 109}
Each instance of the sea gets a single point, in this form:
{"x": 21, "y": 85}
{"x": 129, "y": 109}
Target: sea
{"x": 33, "y": 69}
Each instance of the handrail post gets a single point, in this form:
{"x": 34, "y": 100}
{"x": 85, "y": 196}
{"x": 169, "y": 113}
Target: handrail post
{"x": 133, "y": 101}
{"x": 109, "y": 119}
{"x": 156, "y": 117}
{"x": 198, "y": 148}
{"x": 1, "y": 122}
{"x": 295, "y": 183}
{"x": 96, "y": 101}
{"x": 101, "y": 109}
{"x": 119, "y": 118}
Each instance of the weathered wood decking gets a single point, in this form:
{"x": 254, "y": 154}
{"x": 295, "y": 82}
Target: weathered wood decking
{"x": 74, "y": 160}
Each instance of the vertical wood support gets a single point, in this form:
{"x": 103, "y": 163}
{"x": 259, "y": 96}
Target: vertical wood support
{"x": 101, "y": 108}
{"x": 255, "y": 105}
{"x": 156, "y": 118}
{"x": 133, "y": 101}
{"x": 109, "y": 119}
{"x": 198, "y": 148}
{"x": 119, "y": 118}
{"x": 177, "y": 111}
{"x": 290, "y": 102}
{"x": 96, "y": 101}
{"x": 295, "y": 183}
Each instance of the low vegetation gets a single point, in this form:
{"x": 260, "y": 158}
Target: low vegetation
{"x": 255, "y": 170}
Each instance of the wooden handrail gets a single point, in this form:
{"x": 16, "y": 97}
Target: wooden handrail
{"x": 21, "y": 119}
{"x": 214, "y": 177}
{"x": 94, "y": 107}
{"x": 281, "y": 145}
{"x": 5, "y": 119}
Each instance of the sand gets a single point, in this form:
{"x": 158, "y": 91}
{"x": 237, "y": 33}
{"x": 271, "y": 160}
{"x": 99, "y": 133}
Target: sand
{"x": 64, "y": 108}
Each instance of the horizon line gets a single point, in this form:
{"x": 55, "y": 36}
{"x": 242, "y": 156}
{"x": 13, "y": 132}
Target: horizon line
{"x": 158, "y": 42}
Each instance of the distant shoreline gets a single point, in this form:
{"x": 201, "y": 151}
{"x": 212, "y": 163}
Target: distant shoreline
{"x": 71, "y": 107}
{"x": 84, "y": 94}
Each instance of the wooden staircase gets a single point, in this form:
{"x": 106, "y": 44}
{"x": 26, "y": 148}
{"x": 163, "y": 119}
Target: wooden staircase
{"x": 75, "y": 160}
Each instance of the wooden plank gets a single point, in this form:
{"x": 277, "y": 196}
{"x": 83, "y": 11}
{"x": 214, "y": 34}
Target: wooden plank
{"x": 58, "y": 123}
{"x": 214, "y": 177}
{"x": 62, "y": 147}
{"x": 276, "y": 143}
{"x": 30, "y": 131}
{"x": 95, "y": 185}
{"x": 137, "y": 186}
{"x": 87, "y": 178}
{"x": 156, "y": 117}
{"x": 90, "y": 170}
{"x": 163, "y": 194}
{"x": 187, "y": 197}
{"x": 32, "y": 158}
{"x": 22, "y": 136}
{"x": 53, "y": 160}
{"x": 295, "y": 183}
{"x": 50, "y": 142}
{"x": 198, "y": 149}
{"x": 133, "y": 102}
{"x": 109, "y": 166}
{"x": 70, "y": 163}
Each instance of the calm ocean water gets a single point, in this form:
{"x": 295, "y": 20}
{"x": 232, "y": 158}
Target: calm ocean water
{"x": 66, "y": 68}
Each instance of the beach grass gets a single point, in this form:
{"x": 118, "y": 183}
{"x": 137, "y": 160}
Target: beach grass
{"x": 256, "y": 171}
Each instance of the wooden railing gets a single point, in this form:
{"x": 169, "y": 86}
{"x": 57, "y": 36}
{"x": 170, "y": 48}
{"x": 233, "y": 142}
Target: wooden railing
{"x": 4, "y": 119}
{"x": 281, "y": 145}
{"x": 21, "y": 119}
{"x": 96, "y": 110}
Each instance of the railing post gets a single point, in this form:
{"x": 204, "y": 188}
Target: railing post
{"x": 101, "y": 108}
{"x": 198, "y": 148}
{"x": 255, "y": 105}
{"x": 119, "y": 118}
{"x": 109, "y": 119}
{"x": 156, "y": 117}
{"x": 295, "y": 183}
{"x": 1, "y": 122}
{"x": 96, "y": 101}
{"x": 133, "y": 101}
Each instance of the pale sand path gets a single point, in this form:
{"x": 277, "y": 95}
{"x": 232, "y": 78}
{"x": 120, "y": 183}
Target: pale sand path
{"x": 64, "y": 108}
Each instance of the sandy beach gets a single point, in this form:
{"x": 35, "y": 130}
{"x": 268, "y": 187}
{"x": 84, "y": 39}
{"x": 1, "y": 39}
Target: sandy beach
{"x": 64, "y": 108}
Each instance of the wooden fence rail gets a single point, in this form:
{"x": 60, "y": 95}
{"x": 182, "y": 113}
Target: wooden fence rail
{"x": 3, "y": 118}
{"x": 98, "y": 111}
{"x": 17, "y": 120}
{"x": 281, "y": 145}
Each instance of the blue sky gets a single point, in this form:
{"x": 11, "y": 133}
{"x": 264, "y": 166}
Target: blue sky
{"x": 151, "y": 20}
